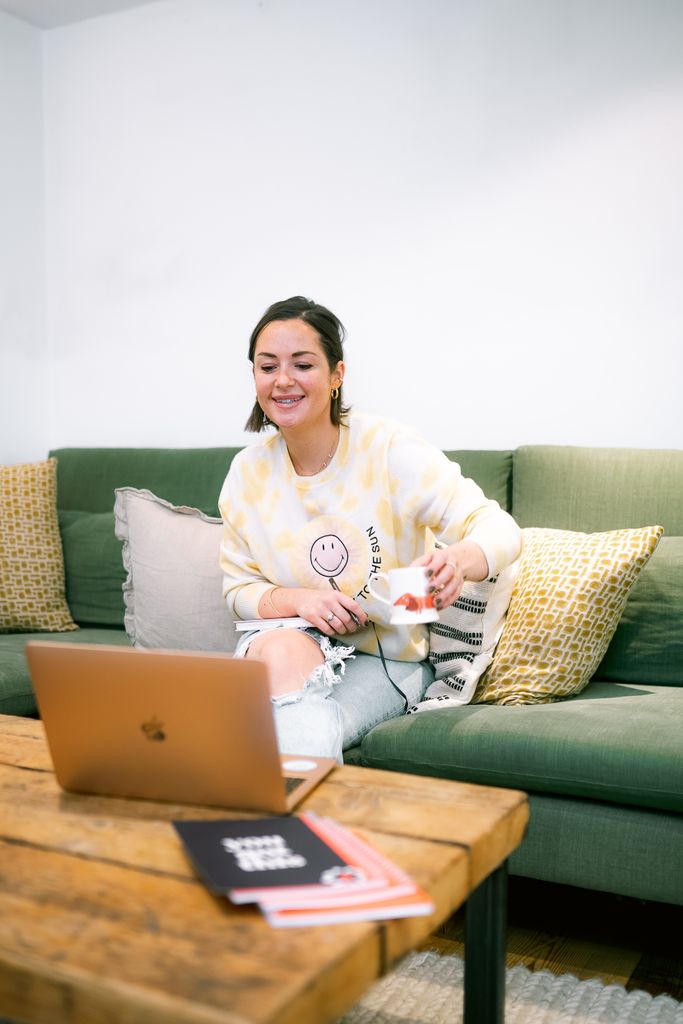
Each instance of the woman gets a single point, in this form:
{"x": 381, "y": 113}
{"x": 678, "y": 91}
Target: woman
{"x": 319, "y": 507}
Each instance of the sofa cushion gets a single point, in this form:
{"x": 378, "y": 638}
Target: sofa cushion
{"x": 32, "y": 589}
{"x": 16, "y": 691}
{"x": 492, "y": 470}
{"x": 613, "y": 742}
{"x": 88, "y": 477}
{"x": 570, "y": 591}
{"x": 173, "y": 592}
{"x": 597, "y": 489}
{"x": 94, "y": 567}
{"x": 605, "y": 846}
{"x": 647, "y": 646}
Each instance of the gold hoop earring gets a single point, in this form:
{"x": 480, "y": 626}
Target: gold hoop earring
{"x": 334, "y": 394}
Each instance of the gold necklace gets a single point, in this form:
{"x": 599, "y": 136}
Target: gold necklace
{"x": 325, "y": 463}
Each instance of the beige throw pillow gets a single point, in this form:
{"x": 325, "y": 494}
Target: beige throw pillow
{"x": 566, "y": 603}
{"x": 32, "y": 594}
{"x": 173, "y": 594}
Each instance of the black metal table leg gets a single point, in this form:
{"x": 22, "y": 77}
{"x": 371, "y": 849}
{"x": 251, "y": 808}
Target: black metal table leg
{"x": 485, "y": 939}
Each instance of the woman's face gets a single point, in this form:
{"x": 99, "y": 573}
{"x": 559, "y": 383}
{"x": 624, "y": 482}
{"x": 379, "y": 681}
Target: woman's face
{"x": 293, "y": 379}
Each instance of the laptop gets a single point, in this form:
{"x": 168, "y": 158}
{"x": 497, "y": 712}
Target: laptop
{"x": 181, "y": 726}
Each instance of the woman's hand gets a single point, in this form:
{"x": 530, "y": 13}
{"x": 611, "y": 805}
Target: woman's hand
{"x": 332, "y": 612}
{"x": 448, "y": 568}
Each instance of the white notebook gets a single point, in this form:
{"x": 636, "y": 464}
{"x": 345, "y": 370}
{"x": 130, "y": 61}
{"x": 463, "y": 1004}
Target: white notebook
{"x": 293, "y": 620}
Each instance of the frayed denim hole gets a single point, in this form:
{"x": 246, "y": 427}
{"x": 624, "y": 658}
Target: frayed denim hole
{"x": 323, "y": 677}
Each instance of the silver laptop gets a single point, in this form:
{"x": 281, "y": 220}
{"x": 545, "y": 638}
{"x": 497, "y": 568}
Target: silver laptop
{"x": 184, "y": 726}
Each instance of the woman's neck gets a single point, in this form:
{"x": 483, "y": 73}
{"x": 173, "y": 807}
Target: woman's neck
{"x": 310, "y": 455}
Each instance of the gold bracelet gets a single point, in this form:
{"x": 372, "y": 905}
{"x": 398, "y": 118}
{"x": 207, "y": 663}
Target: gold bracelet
{"x": 272, "y": 603}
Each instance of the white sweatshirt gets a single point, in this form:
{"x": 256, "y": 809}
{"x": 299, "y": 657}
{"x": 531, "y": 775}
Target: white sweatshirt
{"x": 369, "y": 510}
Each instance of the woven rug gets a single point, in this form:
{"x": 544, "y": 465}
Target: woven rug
{"x": 427, "y": 988}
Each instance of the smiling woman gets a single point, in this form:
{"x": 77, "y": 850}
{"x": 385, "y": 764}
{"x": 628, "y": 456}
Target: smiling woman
{"x": 294, "y": 385}
{"x": 333, "y": 499}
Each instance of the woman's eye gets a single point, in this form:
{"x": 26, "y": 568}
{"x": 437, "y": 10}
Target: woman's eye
{"x": 263, "y": 368}
{"x": 303, "y": 366}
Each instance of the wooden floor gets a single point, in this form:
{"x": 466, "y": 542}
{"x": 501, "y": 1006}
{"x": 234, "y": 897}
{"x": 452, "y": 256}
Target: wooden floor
{"x": 587, "y": 934}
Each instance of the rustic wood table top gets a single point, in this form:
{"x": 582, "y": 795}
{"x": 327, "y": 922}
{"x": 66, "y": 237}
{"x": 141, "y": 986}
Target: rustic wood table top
{"x": 103, "y": 919}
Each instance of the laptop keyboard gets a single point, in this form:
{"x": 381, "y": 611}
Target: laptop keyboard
{"x": 291, "y": 784}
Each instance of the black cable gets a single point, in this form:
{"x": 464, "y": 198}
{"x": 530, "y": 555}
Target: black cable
{"x": 333, "y": 584}
{"x": 386, "y": 670}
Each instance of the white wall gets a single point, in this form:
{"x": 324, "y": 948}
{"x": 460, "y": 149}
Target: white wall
{"x": 486, "y": 191}
{"x": 24, "y": 364}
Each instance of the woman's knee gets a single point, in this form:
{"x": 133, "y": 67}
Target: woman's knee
{"x": 284, "y": 644}
{"x": 290, "y": 655}
{"x": 310, "y": 725}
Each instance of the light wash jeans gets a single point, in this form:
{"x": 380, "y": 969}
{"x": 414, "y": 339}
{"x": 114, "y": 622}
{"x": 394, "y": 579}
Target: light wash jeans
{"x": 342, "y": 699}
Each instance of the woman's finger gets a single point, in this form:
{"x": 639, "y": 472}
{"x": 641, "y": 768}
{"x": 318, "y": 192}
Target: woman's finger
{"x": 352, "y": 620}
{"x": 353, "y": 616}
{"x": 337, "y": 620}
{"x": 450, "y": 593}
{"x": 446, "y": 582}
{"x": 330, "y": 620}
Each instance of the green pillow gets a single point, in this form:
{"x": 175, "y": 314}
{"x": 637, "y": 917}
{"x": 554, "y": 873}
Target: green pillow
{"x": 647, "y": 646}
{"x": 93, "y": 567}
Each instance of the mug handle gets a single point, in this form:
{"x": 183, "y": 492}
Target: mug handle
{"x": 374, "y": 593}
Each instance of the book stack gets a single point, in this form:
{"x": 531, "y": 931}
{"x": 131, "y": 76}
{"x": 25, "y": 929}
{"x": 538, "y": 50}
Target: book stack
{"x": 301, "y": 871}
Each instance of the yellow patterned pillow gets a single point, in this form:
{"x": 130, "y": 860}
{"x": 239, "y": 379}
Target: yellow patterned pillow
{"x": 31, "y": 561}
{"x": 570, "y": 591}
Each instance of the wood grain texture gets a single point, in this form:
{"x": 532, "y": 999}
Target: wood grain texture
{"x": 489, "y": 821}
{"x": 102, "y": 918}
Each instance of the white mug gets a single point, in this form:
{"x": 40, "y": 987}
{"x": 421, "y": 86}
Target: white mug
{"x": 408, "y": 595}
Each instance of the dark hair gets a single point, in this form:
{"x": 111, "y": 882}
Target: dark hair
{"x": 330, "y": 331}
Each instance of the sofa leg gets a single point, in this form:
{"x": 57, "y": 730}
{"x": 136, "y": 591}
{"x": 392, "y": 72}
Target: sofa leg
{"x": 485, "y": 942}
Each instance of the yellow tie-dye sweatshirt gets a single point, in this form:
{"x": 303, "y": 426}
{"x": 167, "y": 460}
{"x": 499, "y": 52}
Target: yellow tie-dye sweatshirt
{"x": 368, "y": 511}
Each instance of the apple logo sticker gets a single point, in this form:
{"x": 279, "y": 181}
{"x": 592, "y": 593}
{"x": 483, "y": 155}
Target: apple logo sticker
{"x": 154, "y": 729}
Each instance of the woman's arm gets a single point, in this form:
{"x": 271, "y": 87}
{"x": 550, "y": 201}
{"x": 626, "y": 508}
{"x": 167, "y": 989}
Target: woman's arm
{"x": 477, "y": 537}
{"x": 329, "y": 611}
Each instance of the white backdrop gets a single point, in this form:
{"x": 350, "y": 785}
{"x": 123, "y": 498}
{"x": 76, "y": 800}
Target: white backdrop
{"x": 24, "y": 357}
{"x": 486, "y": 192}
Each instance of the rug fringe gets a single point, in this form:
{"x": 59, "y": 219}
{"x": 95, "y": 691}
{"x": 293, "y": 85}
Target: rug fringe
{"x": 427, "y": 988}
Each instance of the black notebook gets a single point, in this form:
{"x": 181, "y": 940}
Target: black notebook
{"x": 241, "y": 857}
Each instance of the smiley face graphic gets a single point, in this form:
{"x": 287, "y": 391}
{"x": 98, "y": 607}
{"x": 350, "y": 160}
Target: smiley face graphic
{"x": 329, "y": 555}
{"x": 329, "y": 548}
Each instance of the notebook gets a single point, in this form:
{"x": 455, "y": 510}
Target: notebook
{"x": 181, "y": 726}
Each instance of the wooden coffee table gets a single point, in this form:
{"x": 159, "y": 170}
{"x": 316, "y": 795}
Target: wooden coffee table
{"x": 103, "y": 919}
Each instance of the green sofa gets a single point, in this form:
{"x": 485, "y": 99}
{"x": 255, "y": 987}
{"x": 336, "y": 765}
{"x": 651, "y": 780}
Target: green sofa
{"x": 604, "y": 769}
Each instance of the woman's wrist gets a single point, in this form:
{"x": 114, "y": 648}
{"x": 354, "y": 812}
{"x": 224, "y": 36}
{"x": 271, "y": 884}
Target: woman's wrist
{"x": 277, "y": 603}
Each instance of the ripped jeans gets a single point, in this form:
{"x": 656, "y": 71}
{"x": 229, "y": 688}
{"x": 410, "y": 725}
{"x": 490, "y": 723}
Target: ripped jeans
{"x": 306, "y": 720}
